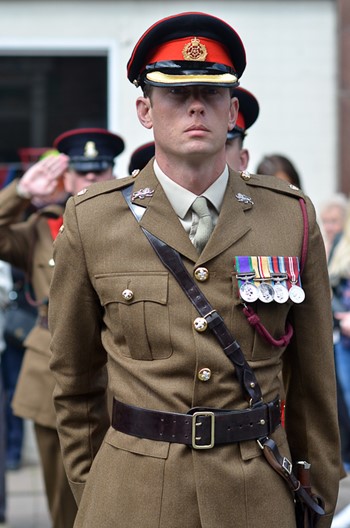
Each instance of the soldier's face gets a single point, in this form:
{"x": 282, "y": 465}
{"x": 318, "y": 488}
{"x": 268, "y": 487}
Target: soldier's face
{"x": 76, "y": 181}
{"x": 237, "y": 157}
{"x": 189, "y": 121}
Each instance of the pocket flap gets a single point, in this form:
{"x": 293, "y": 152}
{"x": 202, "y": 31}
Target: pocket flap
{"x": 150, "y": 286}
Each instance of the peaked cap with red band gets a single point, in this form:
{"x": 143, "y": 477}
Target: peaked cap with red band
{"x": 247, "y": 113}
{"x": 90, "y": 149}
{"x": 188, "y": 48}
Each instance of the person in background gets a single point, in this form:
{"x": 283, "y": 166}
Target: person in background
{"x": 281, "y": 167}
{"x": 248, "y": 111}
{"x": 182, "y": 449}
{"x": 20, "y": 319}
{"x": 338, "y": 230}
{"x": 83, "y": 156}
{"x": 332, "y": 215}
{"x": 140, "y": 157}
{"x": 5, "y": 288}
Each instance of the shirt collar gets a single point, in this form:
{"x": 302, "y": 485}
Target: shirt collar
{"x": 181, "y": 199}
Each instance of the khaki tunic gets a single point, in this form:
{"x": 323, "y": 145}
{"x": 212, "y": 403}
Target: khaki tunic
{"x": 28, "y": 246}
{"x": 153, "y": 354}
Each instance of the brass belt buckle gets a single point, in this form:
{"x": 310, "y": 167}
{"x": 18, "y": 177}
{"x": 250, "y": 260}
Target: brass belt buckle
{"x": 195, "y": 426}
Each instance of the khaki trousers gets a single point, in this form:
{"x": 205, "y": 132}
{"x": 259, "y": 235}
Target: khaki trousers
{"x": 60, "y": 499}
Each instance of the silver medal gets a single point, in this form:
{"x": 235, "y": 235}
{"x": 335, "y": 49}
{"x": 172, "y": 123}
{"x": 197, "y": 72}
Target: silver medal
{"x": 281, "y": 293}
{"x": 296, "y": 294}
{"x": 266, "y": 292}
{"x": 249, "y": 292}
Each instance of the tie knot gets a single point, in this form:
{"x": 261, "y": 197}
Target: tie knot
{"x": 200, "y": 207}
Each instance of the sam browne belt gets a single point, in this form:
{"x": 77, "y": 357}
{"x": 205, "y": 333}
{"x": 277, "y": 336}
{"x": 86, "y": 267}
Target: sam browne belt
{"x": 200, "y": 428}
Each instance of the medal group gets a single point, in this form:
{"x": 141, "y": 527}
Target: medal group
{"x": 269, "y": 279}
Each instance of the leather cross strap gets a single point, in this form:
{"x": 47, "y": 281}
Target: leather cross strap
{"x": 200, "y": 428}
{"x": 172, "y": 261}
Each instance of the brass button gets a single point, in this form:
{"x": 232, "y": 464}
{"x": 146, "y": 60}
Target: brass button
{"x": 128, "y": 295}
{"x": 200, "y": 324}
{"x": 245, "y": 175}
{"x": 51, "y": 262}
{"x": 204, "y": 374}
{"x": 201, "y": 274}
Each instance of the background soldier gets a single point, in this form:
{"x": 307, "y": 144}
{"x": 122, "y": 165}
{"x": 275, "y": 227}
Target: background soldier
{"x": 248, "y": 111}
{"x": 28, "y": 246}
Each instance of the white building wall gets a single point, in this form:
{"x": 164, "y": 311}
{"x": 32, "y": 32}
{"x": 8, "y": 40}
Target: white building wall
{"x": 291, "y": 67}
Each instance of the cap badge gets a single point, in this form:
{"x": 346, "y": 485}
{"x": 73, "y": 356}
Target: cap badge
{"x": 194, "y": 51}
{"x": 90, "y": 150}
{"x": 244, "y": 198}
{"x": 142, "y": 193}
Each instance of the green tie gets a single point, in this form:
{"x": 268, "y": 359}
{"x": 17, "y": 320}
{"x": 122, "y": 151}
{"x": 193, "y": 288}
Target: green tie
{"x": 205, "y": 223}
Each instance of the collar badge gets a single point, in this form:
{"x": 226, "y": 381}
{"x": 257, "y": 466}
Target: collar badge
{"x": 90, "y": 150}
{"x": 245, "y": 175}
{"x": 83, "y": 191}
{"x": 194, "y": 51}
{"x": 142, "y": 193}
{"x": 244, "y": 198}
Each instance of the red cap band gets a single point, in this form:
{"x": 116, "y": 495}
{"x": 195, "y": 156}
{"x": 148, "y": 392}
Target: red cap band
{"x": 240, "y": 121}
{"x": 191, "y": 48}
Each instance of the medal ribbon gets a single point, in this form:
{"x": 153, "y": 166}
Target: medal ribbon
{"x": 264, "y": 268}
{"x": 255, "y": 266}
{"x": 292, "y": 269}
{"x": 243, "y": 266}
{"x": 277, "y": 267}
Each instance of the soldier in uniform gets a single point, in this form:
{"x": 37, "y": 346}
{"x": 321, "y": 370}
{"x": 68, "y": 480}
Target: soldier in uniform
{"x": 236, "y": 155}
{"x": 189, "y": 423}
{"x": 87, "y": 155}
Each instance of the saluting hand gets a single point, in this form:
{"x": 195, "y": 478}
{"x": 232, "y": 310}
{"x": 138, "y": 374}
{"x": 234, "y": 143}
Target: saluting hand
{"x": 43, "y": 177}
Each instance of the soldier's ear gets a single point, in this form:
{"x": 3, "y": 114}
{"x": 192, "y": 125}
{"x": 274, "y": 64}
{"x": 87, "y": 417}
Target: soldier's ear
{"x": 233, "y": 113}
{"x": 144, "y": 111}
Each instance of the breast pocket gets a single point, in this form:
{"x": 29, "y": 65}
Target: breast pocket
{"x": 137, "y": 313}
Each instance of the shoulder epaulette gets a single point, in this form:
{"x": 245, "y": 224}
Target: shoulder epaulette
{"x": 102, "y": 188}
{"x": 272, "y": 183}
